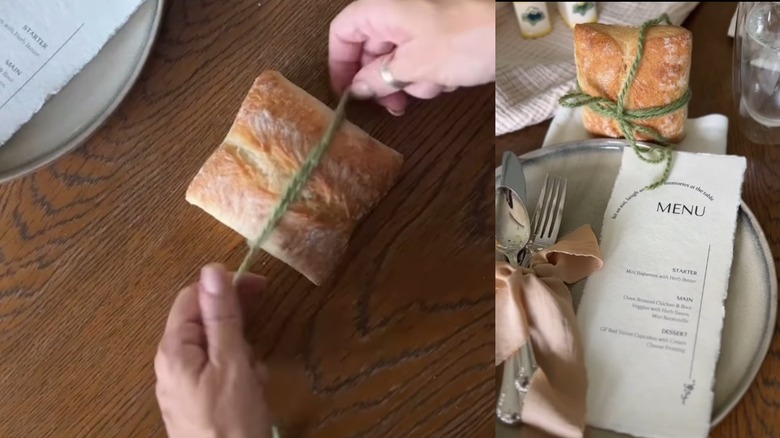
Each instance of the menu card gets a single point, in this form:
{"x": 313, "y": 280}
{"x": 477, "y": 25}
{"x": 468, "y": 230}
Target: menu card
{"x": 44, "y": 44}
{"x": 651, "y": 319}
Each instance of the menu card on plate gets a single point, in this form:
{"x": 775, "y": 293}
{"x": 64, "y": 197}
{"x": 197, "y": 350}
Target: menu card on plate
{"x": 44, "y": 44}
{"x": 651, "y": 319}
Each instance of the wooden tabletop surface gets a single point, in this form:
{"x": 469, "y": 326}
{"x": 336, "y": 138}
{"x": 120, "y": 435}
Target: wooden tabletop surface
{"x": 94, "y": 248}
{"x": 758, "y": 413}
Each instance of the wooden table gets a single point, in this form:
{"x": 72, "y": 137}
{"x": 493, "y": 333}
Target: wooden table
{"x": 758, "y": 414}
{"x": 94, "y": 248}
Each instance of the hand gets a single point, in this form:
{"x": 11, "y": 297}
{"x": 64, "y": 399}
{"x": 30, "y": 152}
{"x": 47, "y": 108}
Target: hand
{"x": 434, "y": 45}
{"x": 206, "y": 383}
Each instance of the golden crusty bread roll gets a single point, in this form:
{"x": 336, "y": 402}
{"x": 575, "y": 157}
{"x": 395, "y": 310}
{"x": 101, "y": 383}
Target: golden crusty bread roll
{"x": 276, "y": 128}
{"x": 604, "y": 55}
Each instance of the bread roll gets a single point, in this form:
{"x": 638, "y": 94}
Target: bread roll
{"x": 604, "y": 55}
{"x": 276, "y": 128}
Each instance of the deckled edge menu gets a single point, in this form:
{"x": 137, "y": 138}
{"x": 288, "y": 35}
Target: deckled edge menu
{"x": 44, "y": 45}
{"x": 652, "y": 318}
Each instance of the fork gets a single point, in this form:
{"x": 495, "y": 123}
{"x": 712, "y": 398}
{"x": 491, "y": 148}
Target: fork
{"x": 546, "y": 222}
{"x": 520, "y": 367}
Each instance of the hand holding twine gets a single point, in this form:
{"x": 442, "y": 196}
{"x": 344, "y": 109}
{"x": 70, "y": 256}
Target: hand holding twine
{"x": 627, "y": 119}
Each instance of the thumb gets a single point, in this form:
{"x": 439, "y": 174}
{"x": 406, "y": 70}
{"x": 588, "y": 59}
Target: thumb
{"x": 221, "y": 312}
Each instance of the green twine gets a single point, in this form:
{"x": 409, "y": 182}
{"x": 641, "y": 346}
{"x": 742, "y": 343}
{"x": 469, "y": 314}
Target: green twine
{"x": 294, "y": 188}
{"x": 627, "y": 118}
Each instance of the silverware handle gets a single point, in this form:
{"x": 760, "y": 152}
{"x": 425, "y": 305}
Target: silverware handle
{"x": 514, "y": 257}
{"x": 525, "y": 259}
{"x": 518, "y": 369}
{"x": 509, "y": 404}
{"x": 527, "y": 254}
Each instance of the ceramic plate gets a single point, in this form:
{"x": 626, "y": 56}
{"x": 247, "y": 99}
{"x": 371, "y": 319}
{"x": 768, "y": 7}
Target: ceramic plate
{"x": 81, "y": 107}
{"x": 591, "y": 167}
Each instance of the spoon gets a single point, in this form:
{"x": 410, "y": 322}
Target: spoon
{"x": 513, "y": 227}
{"x": 513, "y": 231}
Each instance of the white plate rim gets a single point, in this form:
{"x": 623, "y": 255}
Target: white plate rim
{"x": 763, "y": 350}
{"x": 83, "y": 134}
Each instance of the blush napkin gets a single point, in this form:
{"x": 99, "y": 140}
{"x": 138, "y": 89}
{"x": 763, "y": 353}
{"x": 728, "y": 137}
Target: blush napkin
{"x": 536, "y": 304}
{"x": 652, "y": 319}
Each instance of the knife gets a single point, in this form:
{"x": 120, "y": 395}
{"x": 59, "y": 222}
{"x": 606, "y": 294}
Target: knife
{"x": 513, "y": 179}
{"x": 512, "y": 176}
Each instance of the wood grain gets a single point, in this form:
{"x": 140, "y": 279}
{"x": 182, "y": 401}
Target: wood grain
{"x": 758, "y": 413}
{"x": 94, "y": 247}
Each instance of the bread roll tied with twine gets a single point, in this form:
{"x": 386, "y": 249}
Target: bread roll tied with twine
{"x": 294, "y": 177}
{"x": 633, "y": 83}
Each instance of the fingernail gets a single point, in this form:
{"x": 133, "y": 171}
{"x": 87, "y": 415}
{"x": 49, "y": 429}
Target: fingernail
{"x": 212, "y": 279}
{"x": 395, "y": 113}
{"x": 361, "y": 90}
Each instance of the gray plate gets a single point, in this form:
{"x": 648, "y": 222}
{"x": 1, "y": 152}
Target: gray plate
{"x": 591, "y": 167}
{"x": 81, "y": 107}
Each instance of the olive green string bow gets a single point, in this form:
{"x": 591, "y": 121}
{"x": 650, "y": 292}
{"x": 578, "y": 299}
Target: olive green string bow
{"x": 627, "y": 118}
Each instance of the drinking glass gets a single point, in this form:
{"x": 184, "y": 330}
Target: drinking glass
{"x": 756, "y": 70}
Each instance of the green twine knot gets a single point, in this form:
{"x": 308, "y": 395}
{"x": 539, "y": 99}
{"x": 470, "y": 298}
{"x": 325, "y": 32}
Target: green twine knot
{"x": 626, "y": 118}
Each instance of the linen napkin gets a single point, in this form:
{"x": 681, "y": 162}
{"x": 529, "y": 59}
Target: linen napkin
{"x": 536, "y": 304}
{"x": 652, "y": 318}
{"x": 532, "y": 74}
{"x": 708, "y": 134}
